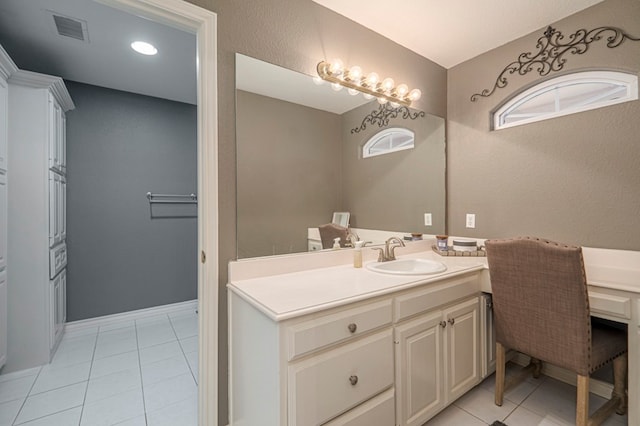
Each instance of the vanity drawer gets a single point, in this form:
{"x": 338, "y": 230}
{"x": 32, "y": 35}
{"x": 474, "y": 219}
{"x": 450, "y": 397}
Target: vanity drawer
{"x": 378, "y": 411}
{"x": 326, "y": 330}
{"x": 608, "y": 304}
{"x": 57, "y": 259}
{"x": 324, "y": 386}
{"x": 413, "y": 303}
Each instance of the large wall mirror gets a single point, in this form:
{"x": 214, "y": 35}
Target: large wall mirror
{"x": 298, "y": 162}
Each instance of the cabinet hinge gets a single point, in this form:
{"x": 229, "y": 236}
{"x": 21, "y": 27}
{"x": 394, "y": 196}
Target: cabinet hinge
{"x": 203, "y": 257}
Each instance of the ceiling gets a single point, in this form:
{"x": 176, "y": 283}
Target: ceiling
{"x": 451, "y": 32}
{"x": 442, "y": 34}
{"x": 28, "y": 34}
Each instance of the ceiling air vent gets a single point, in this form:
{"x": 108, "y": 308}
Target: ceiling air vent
{"x": 67, "y": 26}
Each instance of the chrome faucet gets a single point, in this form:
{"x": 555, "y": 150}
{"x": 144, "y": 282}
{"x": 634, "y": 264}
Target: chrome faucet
{"x": 389, "y": 251}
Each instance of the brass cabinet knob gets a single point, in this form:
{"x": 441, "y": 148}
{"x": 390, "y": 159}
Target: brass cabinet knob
{"x": 452, "y": 321}
{"x": 352, "y": 327}
{"x": 443, "y": 324}
{"x": 353, "y": 380}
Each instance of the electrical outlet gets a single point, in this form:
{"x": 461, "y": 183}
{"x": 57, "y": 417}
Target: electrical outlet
{"x": 471, "y": 220}
{"x": 427, "y": 219}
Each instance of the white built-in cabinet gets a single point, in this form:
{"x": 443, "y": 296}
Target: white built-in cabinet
{"x": 7, "y": 67}
{"x": 37, "y": 217}
{"x": 393, "y": 360}
{"x": 438, "y": 360}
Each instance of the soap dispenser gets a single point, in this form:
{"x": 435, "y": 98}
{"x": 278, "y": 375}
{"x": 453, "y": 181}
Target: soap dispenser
{"x": 336, "y": 243}
{"x": 357, "y": 254}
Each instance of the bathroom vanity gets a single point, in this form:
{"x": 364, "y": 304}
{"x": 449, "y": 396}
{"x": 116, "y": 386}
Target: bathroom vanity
{"x": 312, "y": 343}
{"x": 347, "y": 346}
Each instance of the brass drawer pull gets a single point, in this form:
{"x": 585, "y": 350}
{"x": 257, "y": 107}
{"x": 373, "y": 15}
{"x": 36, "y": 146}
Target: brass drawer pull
{"x": 352, "y": 327}
{"x": 353, "y": 380}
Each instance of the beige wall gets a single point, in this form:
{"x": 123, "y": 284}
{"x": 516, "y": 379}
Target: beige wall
{"x": 295, "y": 34}
{"x": 288, "y": 173}
{"x": 392, "y": 192}
{"x": 574, "y": 179}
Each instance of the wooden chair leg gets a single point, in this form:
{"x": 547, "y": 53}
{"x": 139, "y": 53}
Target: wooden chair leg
{"x": 582, "y": 401}
{"x": 500, "y": 373}
{"x": 537, "y": 367}
{"x": 620, "y": 383}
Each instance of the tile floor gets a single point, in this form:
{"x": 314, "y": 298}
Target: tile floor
{"x": 534, "y": 402}
{"x": 145, "y": 372}
{"x": 133, "y": 373}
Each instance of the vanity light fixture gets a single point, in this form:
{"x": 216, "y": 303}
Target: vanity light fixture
{"x": 144, "y": 48}
{"x": 370, "y": 85}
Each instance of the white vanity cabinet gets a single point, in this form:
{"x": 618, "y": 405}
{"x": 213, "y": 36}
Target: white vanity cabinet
{"x": 393, "y": 359}
{"x": 438, "y": 352}
{"x": 37, "y": 217}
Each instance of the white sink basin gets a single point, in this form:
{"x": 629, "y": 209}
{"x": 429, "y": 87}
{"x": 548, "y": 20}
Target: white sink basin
{"x": 408, "y": 267}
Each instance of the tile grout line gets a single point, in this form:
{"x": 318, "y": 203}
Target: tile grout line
{"x": 183, "y": 353}
{"x": 13, "y": 422}
{"x": 86, "y": 389}
{"x": 144, "y": 405}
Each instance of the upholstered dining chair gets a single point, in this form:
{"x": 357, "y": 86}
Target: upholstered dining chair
{"x": 541, "y": 308}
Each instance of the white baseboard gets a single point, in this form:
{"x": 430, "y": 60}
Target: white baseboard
{"x": 597, "y": 387}
{"x": 130, "y": 315}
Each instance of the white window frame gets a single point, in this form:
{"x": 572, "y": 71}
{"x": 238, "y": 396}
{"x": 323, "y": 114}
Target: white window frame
{"x": 629, "y": 81}
{"x": 375, "y": 139}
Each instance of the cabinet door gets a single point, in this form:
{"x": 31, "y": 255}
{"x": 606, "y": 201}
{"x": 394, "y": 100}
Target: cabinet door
{"x": 56, "y": 208}
{"x": 57, "y": 135}
{"x": 3, "y": 220}
{"x": 54, "y": 285}
{"x": 63, "y": 142}
{"x": 62, "y": 208}
{"x": 3, "y": 318}
{"x": 4, "y": 126}
{"x": 462, "y": 347}
{"x": 57, "y": 307}
{"x": 419, "y": 366}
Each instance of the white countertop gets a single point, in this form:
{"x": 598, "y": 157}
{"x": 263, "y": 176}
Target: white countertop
{"x": 293, "y": 294}
{"x": 286, "y": 295}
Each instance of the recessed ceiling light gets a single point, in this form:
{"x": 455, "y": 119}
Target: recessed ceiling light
{"x": 144, "y": 48}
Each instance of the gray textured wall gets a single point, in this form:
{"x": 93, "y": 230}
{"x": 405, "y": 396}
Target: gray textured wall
{"x": 392, "y": 192}
{"x": 575, "y": 178}
{"x": 288, "y": 173}
{"x": 119, "y": 146}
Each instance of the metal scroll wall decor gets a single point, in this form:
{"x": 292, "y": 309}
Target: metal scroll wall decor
{"x": 384, "y": 113}
{"x": 552, "y": 50}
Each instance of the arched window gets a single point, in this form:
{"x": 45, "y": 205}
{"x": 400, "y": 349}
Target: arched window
{"x": 388, "y": 141}
{"x": 567, "y": 94}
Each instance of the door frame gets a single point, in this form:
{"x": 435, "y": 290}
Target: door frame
{"x": 203, "y": 23}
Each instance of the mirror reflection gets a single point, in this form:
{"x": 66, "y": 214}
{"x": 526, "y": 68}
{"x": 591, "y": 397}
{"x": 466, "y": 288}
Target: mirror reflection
{"x": 299, "y": 163}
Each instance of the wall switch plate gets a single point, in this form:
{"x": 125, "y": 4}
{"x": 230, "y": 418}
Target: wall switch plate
{"x": 427, "y": 219}
{"x": 471, "y": 220}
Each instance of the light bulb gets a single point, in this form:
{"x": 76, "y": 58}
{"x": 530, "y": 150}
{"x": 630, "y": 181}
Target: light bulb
{"x": 382, "y": 101}
{"x": 367, "y": 96}
{"x": 336, "y": 67}
{"x": 402, "y": 90}
{"x": 372, "y": 79}
{"x": 415, "y": 94}
{"x": 353, "y": 92}
{"x": 317, "y": 80}
{"x": 337, "y": 87}
{"x": 144, "y": 48}
{"x": 387, "y": 84}
{"x": 355, "y": 74}
{"x": 393, "y": 104}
